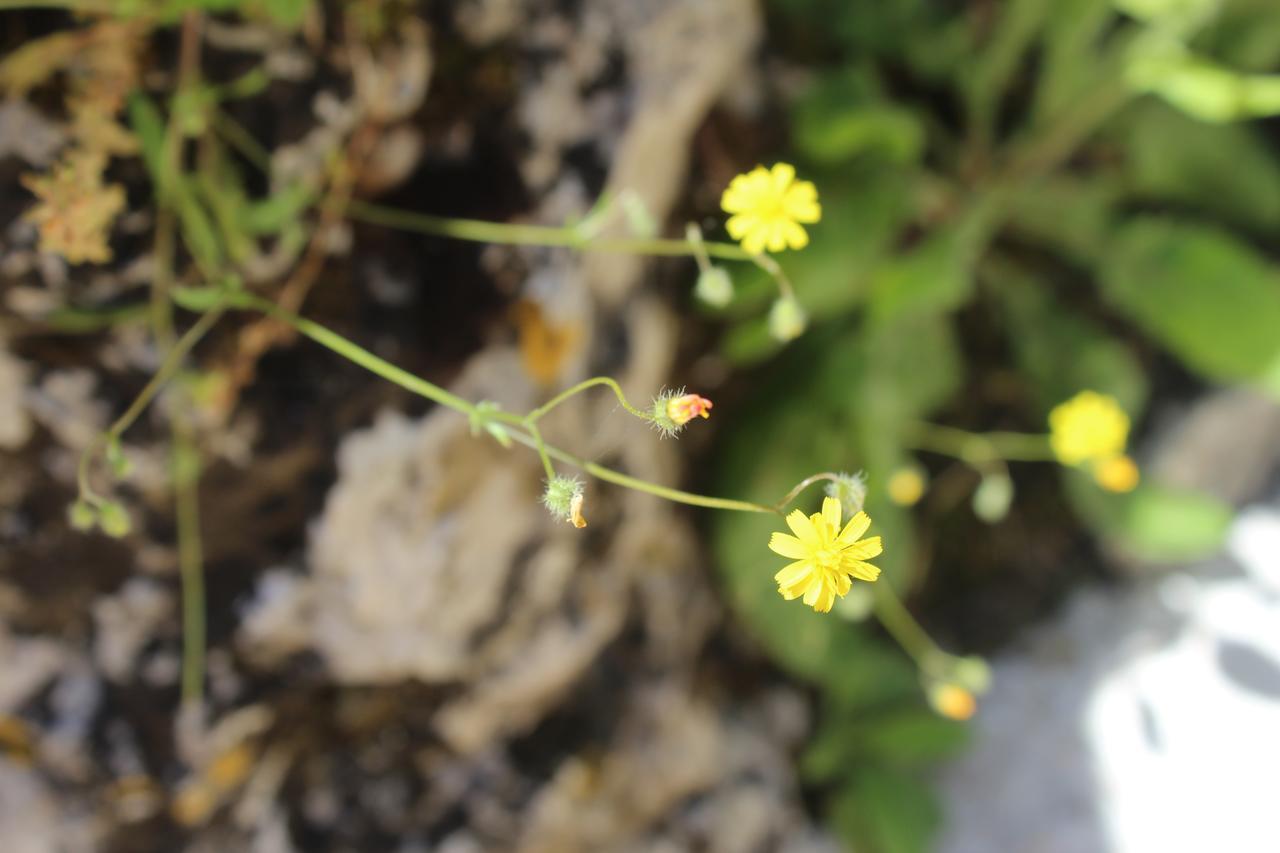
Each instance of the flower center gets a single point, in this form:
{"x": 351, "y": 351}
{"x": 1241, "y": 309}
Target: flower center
{"x": 828, "y": 558}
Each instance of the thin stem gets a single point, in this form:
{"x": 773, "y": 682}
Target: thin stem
{"x": 801, "y": 486}
{"x": 412, "y": 383}
{"x": 904, "y": 629}
{"x": 978, "y": 449}
{"x": 537, "y": 235}
{"x": 241, "y": 139}
{"x": 172, "y": 362}
{"x": 627, "y": 481}
{"x": 186, "y": 469}
{"x": 537, "y": 413}
{"x": 541, "y": 447}
{"x": 693, "y": 234}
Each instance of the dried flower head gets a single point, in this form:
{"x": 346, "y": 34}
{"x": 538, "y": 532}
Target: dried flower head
{"x": 76, "y": 210}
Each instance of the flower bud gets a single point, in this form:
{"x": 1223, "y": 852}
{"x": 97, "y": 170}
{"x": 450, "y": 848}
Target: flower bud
{"x": 714, "y": 287}
{"x": 671, "y": 410}
{"x": 906, "y": 485}
{"x": 114, "y": 520}
{"x": 952, "y": 701}
{"x": 1116, "y": 474}
{"x": 787, "y": 320}
{"x": 563, "y": 499}
{"x": 82, "y": 516}
{"x": 851, "y": 491}
{"x": 686, "y": 407}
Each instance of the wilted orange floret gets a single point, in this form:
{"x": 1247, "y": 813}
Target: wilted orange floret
{"x": 686, "y": 407}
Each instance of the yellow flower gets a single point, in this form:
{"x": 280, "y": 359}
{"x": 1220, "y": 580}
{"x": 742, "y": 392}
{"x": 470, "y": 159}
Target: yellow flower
{"x": 827, "y": 558}
{"x": 906, "y": 485}
{"x": 1090, "y": 426}
{"x": 1116, "y": 473}
{"x": 767, "y": 207}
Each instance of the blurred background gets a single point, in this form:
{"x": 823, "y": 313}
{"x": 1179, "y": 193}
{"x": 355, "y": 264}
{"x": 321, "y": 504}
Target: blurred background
{"x": 1022, "y": 200}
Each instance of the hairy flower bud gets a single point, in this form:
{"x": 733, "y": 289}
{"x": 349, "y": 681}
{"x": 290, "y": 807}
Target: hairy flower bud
{"x": 671, "y": 410}
{"x": 563, "y": 499}
{"x": 850, "y": 490}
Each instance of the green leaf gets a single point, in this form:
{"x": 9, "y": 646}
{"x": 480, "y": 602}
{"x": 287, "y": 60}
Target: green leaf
{"x": 1172, "y": 157}
{"x": 286, "y": 13}
{"x": 936, "y": 275}
{"x": 1209, "y": 298}
{"x": 1198, "y": 86}
{"x": 1060, "y": 351}
{"x": 843, "y": 115}
{"x": 911, "y": 736}
{"x": 148, "y": 127}
{"x": 1153, "y": 522}
{"x": 882, "y": 811}
{"x": 1070, "y": 214}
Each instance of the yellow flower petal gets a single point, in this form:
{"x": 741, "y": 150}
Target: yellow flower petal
{"x": 787, "y": 546}
{"x": 864, "y": 550}
{"x": 862, "y": 571}
{"x": 793, "y": 573}
{"x": 831, "y": 512}
{"x": 804, "y": 529}
{"x": 854, "y": 529}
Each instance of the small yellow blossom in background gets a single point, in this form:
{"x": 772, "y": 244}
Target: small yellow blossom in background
{"x": 767, "y": 207}
{"x": 906, "y": 485}
{"x": 76, "y": 210}
{"x": 686, "y": 407}
{"x": 952, "y": 701}
{"x": 1087, "y": 427}
{"x": 827, "y": 558}
{"x": 1116, "y": 474}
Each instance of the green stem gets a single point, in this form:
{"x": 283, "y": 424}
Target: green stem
{"x": 537, "y": 413}
{"x": 409, "y": 382}
{"x": 801, "y": 486}
{"x": 979, "y": 449}
{"x": 541, "y": 447}
{"x": 480, "y": 231}
{"x": 186, "y": 468}
{"x": 906, "y": 631}
{"x": 627, "y": 481}
{"x": 172, "y": 362}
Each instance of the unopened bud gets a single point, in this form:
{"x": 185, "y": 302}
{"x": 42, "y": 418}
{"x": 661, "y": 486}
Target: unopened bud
{"x": 114, "y": 520}
{"x": 82, "y": 516}
{"x": 714, "y": 287}
{"x": 952, "y": 701}
{"x": 563, "y": 499}
{"x": 787, "y": 320}
{"x": 906, "y": 485}
{"x": 1116, "y": 473}
{"x": 851, "y": 491}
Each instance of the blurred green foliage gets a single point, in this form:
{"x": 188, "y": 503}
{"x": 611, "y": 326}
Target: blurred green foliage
{"x": 1069, "y": 169}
